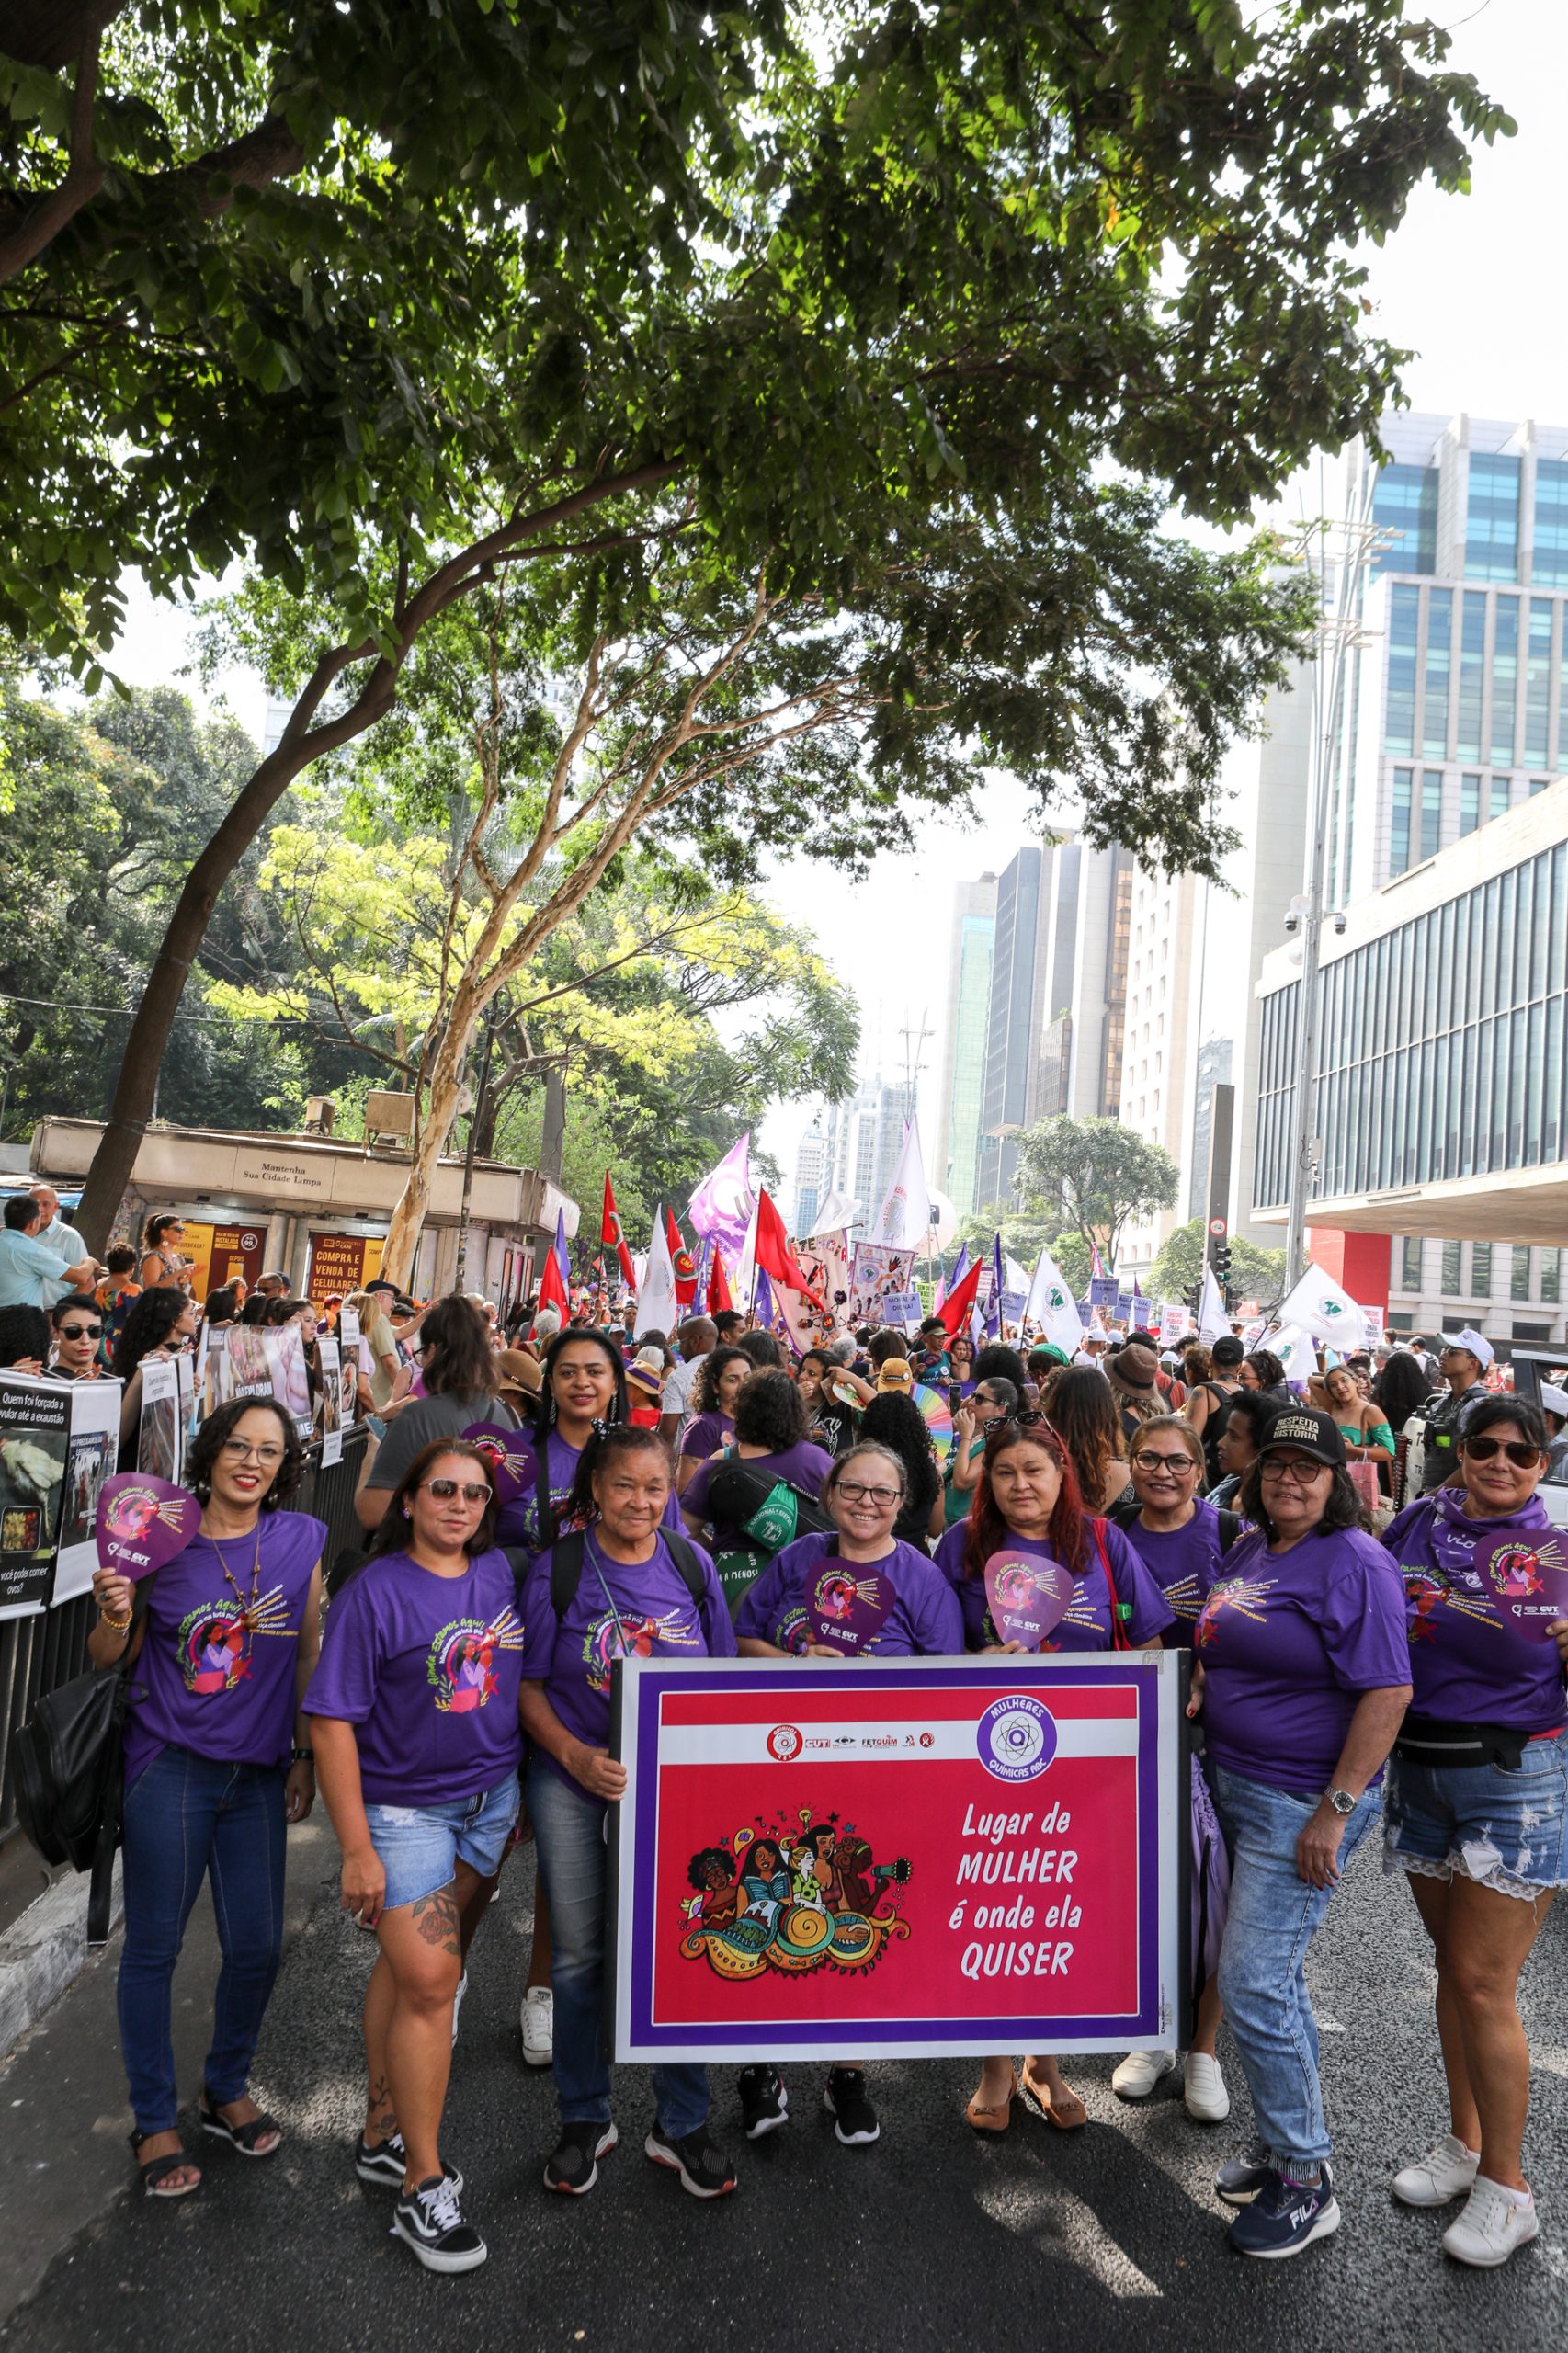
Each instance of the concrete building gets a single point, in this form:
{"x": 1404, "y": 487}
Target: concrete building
{"x": 1030, "y": 1032}
{"x": 1161, "y": 1019}
{"x": 957, "y": 1158}
{"x": 811, "y": 1171}
{"x": 865, "y": 1136}
{"x": 1214, "y": 1058}
{"x": 1097, "y": 993}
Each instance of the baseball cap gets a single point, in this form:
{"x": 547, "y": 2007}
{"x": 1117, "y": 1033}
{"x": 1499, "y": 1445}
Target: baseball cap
{"x": 1476, "y": 1342}
{"x": 1228, "y": 1350}
{"x": 1554, "y": 1400}
{"x": 895, "y": 1374}
{"x": 1304, "y": 1430}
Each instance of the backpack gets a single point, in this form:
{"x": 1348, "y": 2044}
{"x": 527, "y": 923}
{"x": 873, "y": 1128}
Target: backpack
{"x": 566, "y": 1568}
{"x": 68, "y": 1769}
{"x": 769, "y": 1514}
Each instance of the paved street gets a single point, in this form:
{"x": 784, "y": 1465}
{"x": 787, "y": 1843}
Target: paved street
{"x": 1109, "y": 2239}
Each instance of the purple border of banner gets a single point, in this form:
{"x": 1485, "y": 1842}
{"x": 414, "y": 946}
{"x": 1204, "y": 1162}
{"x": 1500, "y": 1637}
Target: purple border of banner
{"x": 996, "y": 1676}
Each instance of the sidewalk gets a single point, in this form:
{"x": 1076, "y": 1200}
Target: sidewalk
{"x": 63, "y": 2114}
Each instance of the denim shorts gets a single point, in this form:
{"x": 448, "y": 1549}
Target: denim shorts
{"x": 421, "y": 1845}
{"x": 1507, "y": 1831}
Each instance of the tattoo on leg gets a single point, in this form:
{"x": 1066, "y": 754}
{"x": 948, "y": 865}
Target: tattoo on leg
{"x": 381, "y": 2116}
{"x": 435, "y": 1918}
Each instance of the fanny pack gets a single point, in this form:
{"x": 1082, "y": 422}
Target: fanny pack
{"x": 1424, "y": 1740}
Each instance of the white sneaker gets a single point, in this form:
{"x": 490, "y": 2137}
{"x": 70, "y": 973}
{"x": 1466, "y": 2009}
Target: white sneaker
{"x": 537, "y": 2023}
{"x": 1446, "y": 2171}
{"x": 458, "y": 2002}
{"x": 1203, "y": 2088}
{"x": 1139, "y": 2072}
{"x": 1491, "y": 2227}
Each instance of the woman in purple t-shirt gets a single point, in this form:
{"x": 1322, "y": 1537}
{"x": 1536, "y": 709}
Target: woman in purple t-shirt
{"x": 619, "y": 1584}
{"x": 1477, "y": 1805}
{"x": 770, "y": 1442}
{"x": 1301, "y": 1673}
{"x": 1027, "y": 1500}
{"x": 713, "y": 1394}
{"x": 216, "y": 1764}
{"x": 415, "y": 1712}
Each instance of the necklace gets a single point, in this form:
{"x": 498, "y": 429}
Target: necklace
{"x": 247, "y": 1603}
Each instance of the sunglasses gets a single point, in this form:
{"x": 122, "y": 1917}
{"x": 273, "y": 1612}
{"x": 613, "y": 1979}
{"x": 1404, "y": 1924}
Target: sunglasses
{"x": 1522, "y": 1457}
{"x": 80, "y": 1331}
{"x": 444, "y": 1490}
{"x": 1180, "y": 1466}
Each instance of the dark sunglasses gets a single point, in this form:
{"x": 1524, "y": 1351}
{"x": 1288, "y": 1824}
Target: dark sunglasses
{"x": 445, "y": 1489}
{"x": 1522, "y": 1457}
{"x": 80, "y": 1331}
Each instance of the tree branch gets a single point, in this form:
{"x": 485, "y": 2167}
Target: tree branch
{"x": 84, "y": 175}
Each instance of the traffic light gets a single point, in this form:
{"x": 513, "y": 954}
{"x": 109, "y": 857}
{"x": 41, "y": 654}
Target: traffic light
{"x": 1220, "y": 1259}
{"x": 1193, "y": 1295}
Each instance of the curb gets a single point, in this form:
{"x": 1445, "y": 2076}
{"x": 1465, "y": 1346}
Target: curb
{"x": 44, "y": 1951}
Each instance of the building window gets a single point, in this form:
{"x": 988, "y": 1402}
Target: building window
{"x": 1492, "y": 522}
{"x": 1399, "y": 850}
{"x": 1431, "y": 811}
{"x": 1538, "y": 678}
{"x": 1550, "y": 1287}
{"x": 1550, "y": 564}
{"x": 1403, "y": 614}
{"x": 1480, "y": 1270}
{"x": 1435, "y": 708}
{"x": 1504, "y": 679}
{"x": 1470, "y": 803}
{"x": 1404, "y": 503}
{"x": 1449, "y": 1272}
{"x": 1410, "y": 1263}
{"x": 1472, "y": 675}
{"x": 1519, "y": 1274}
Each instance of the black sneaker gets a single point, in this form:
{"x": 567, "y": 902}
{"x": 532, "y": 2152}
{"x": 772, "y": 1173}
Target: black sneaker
{"x": 429, "y": 2220}
{"x": 702, "y": 2168}
{"x": 765, "y": 2103}
{"x": 387, "y": 2162}
{"x": 574, "y": 2167}
{"x": 854, "y": 2118}
{"x": 1239, "y": 2180}
{"x": 1287, "y": 2216}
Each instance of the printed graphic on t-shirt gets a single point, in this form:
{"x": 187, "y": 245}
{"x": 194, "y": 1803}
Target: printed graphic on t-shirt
{"x": 1245, "y": 1593}
{"x": 633, "y": 1635}
{"x": 462, "y": 1666}
{"x": 213, "y": 1644}
{"x": 1429, "y": 1587}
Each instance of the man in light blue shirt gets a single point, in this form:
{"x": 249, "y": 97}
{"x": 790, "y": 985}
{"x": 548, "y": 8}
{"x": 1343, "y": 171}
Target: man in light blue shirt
{"x": 30, "y": 1274}
{"x": 54, "y": 1232}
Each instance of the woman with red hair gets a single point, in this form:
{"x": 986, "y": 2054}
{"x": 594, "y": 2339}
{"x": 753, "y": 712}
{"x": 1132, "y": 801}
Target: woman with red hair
{"x": 1027, "y": 1501}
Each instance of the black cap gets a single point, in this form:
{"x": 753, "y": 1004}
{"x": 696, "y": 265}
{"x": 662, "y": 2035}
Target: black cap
{"x": 1228, "y": 1350}
{"x": 1302, "y": 1429}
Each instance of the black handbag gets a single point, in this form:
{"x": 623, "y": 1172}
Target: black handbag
{"x": 68, "y": 1771}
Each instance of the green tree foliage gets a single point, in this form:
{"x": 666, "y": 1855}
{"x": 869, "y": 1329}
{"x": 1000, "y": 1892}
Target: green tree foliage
{"x": 1097, "y": 1174}
{"x": 1255, "y": 1273}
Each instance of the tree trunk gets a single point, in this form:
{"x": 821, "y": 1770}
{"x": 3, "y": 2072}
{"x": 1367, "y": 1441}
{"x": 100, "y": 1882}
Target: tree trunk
{"x": 414, "y": 1202}
{"x": 553, "y": 1141}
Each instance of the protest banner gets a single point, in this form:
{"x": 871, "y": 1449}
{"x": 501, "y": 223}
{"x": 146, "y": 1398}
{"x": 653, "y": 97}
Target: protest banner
{"x": 356, "y": 1359}
{"x": 330, "y": 1368}
{"x": 160, "y": 1447}
{"x": 91, "y": 1455}
{"x": 902, "y": 1857}
{"x": 1174, "y": 1323}
{"x": 58, "y": 1443}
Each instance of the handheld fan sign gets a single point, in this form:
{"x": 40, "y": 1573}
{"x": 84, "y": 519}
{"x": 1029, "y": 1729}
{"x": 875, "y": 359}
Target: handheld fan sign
{"x": 1529, "y": 1583}
{"x": 848, "y": 1611}
{"x": 513, "y": 1464}
{"x": 141, "y": 1522}
{"x": 1027, "y": 1596}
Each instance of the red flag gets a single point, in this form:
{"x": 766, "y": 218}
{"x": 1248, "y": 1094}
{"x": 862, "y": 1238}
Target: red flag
{"x": 717, "y": 1284}
{"x": 612, "y": 1238}
{"x": 551, "y": 1290}
{"x": 957, "y": 1308}
{"x": 682, "y": 1261}
{"x": 774, "y": 1256}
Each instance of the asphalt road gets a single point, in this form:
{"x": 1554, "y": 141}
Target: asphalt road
{"x": 1109, "y": 2238}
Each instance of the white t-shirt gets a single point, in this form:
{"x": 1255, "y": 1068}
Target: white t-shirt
{"x": 678, "y": 1386}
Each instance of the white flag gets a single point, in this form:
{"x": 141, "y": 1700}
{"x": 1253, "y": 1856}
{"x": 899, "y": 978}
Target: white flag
{"x": 657, "y": 1308}
{"x": 1327, "y": 1310}
{"x": 837, "y": 1209}
{"x": 1213, "y": 1324}
{"x": 1294, "y": 1348}
{"x": 904, "y": 1222}
{"x": 1053, "y": 1309}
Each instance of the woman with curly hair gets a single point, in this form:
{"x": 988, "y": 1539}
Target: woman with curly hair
{"x": 774, "y": 1500}
{"x": 160, "y": 1324}
{"x": 1084, "y": 1414}
{"x": 217, "y": 1763}
{"x": 720, "y": 1375}
{"x": 898, "y": 1424}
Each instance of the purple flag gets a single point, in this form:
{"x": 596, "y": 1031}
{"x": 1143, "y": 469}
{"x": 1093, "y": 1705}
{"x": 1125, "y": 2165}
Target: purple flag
{"x": 561, "y": 1260}
{"x": 994, "y": 1312}
{"x": 724, "y": 1204}
{"x": 762, "y": 1299}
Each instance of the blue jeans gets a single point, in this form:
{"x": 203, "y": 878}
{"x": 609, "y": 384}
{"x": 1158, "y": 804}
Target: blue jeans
{"x": 569, "y": 1827}
{"x": 1273, "y": 1917}
{"x": 189, "y": 1818}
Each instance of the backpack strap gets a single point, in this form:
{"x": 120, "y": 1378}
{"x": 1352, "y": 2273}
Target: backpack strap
{"x": 565, "y": 1571}
{"x": 1231, "y": 1526}
{"x": 1119, "y": 1640}
{"x": 683, "y": 1552}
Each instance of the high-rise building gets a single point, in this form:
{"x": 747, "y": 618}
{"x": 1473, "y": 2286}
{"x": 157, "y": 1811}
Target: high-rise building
{"x": 1213, "y": 1070}
{"x": 1161, "y": 1015}
{"x": 957, "y": 1158}
{"x": 811, "y": 1169}
{"x": 865, "y": 1136}
{"x": 1097, "y": 992}
{"x": 1031, "y": 969}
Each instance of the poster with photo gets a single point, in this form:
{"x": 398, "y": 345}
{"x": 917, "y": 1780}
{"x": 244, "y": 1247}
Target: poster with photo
{"x": 874, "y": 1271}
{"x": 34, "y": 1433}
{"x": 356, "y": 1359}
{"x": 330, "y": 1401}
{"x": 185, "y": 1367}
{"x": 159, "y": 1440}
{"x": 90, "y": 1459}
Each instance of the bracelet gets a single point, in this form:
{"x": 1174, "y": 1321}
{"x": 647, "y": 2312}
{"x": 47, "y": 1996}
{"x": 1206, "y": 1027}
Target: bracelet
{"x": 115, "y": 1625}
{"x": 305, "y": 1756}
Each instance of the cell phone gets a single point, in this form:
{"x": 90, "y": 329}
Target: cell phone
{"x": 955, "y": 1397}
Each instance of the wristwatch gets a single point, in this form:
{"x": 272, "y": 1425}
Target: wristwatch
{"x": 1341, "y": 1801}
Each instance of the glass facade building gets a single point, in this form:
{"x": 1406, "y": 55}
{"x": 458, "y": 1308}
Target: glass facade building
{"x": 968, "y": 1014}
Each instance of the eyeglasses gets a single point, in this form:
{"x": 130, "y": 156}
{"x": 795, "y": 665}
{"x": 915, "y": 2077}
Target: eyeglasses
{"x": 1180, "y": 1466}
{"x": 234, "y": 1450}
{"x": 881, "y": 1496}
{"x": 80, "y": 1331}
{"x": 1482, "y": 1450}
{"x": 1299, "y": 1473}
{"x": 445, "y": 1489}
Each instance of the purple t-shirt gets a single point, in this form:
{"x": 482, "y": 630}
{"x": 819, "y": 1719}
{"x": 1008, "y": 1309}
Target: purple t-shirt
{"x": 1086, "y": 1623}
{"x": 1288, "y": 1642}
{"x": 707, "y": 1434}
{"x": 426, "y": 1670}
{"x": 1469, "y": 1662}
{"x": 1183, "y": 1561}
{"x": 618, "y": 1610}
{"x": 520, "y": 1523}
{"x": 924, "y": 1621}
{"x": 215, "y": 1672}
{"x": 804, "y": 1466}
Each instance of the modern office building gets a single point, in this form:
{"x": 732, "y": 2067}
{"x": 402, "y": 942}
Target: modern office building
{"x": 1096, "y": 998}
{"x": 1028, "y": 1034}
{"x": 865, "y": 1136}
{"x": 1161, "y": 1016}
{"x": 956, "y": 1161}
{"x": 1214, "y": 1058}
{"x": 811, "y": 1171}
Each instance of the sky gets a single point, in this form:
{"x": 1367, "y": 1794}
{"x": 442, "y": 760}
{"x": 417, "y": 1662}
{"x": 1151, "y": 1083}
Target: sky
{"x": 1472, "y": 285}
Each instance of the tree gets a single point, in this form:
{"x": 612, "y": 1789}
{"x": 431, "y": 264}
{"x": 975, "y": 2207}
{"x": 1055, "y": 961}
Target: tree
{"x": 948, "y": 291}
{"x": 1100, "y": 1175}
{"x": 1255, "y": 1273}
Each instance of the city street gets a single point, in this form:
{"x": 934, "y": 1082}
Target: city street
{"x": 1108, "y": 2239}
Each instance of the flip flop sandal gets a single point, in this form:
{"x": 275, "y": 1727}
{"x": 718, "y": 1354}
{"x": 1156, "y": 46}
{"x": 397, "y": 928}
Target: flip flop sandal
{"x": 243, "y": 2137}
{"x": 1062, "y": 2120}
{"x": 156, "y": 2171}
{"x": 993, "y": 2120}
